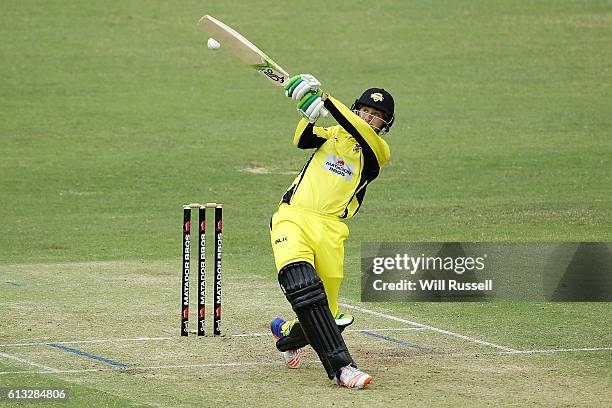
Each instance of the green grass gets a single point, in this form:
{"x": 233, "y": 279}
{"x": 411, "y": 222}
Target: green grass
{"x": 113, "y": 115}
{"x": 77, "y": 395}
{"x": 96, "y": 300}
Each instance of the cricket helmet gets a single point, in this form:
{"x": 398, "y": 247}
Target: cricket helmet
{"x": 380, "y": 99}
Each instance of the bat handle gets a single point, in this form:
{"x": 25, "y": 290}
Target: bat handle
{"x": 324, "y": 112}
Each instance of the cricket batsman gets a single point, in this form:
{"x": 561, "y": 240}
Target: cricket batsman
{"x": 308, "y": 230}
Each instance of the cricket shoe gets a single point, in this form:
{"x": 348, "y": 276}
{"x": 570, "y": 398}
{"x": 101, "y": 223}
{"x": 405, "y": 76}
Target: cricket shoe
{"x": 352, "y": 377}
{"x": 293, "y": 358}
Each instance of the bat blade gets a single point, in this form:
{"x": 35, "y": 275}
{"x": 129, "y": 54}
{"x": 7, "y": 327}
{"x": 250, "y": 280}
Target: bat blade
{"x": 244, "y": 49}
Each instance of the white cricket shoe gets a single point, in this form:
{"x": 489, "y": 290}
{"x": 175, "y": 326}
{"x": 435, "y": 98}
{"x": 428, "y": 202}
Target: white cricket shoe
{"x": 293, "y": 358}
{"x": 352, "y": 377}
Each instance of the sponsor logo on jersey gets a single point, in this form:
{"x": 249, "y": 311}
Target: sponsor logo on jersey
{"x": 338, "y": 166}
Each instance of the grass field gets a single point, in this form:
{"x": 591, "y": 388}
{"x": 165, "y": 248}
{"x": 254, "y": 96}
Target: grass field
{"x": 114, "y": 114}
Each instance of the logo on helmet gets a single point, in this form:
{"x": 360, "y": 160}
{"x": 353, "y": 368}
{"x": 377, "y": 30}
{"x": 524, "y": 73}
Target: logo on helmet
{"x": 377, "y": 97}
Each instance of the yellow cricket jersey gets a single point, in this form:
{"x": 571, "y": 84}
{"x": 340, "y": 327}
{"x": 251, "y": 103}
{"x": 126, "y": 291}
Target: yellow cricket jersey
{"x": 347, "y": 158}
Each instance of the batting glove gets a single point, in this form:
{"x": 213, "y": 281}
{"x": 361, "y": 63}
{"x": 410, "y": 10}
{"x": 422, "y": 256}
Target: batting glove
{"x": 310, "y": 106}
{"x": 300, "y": 85}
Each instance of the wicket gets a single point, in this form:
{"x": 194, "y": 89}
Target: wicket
{"x": 186, "y": 266}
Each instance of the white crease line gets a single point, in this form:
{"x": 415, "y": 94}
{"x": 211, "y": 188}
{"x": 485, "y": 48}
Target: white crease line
{"x": 567, "y": 350}
{"x": 236, "y": 364}
{"x": 44, "y": 343}
{"x": 29, "y": 362}
{"x": 426, "y": 326}
{"x": 134, "y": 368}
{"x": 117, "y": 340}
{"x": 347, "y": 330}
{"x": 386, "y": 330}
{"x": 502, "y": 353}
{"x": 214, "y": 365}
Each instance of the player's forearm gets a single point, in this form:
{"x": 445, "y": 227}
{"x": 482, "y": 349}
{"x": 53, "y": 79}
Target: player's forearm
{"x": 305, "y": 137}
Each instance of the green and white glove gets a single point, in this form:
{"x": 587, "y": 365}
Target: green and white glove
{"x": 310, "y": 106}
{"x": 300, "y": 85}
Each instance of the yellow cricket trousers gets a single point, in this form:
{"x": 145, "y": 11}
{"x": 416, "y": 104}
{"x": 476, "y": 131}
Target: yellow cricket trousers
{"x": 298, "y": 234}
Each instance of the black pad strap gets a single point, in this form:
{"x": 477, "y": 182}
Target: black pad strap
{"x": 296, "y": 339}
{"x": 304, "y": 290}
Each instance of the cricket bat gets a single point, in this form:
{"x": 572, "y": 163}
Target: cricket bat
{"x": 244, "y": 49}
